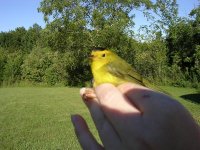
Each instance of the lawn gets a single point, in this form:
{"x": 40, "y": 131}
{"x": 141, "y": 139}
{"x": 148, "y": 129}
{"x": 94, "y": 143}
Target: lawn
{"x": 39, "y": 118}
{"x": 189, "y": 97}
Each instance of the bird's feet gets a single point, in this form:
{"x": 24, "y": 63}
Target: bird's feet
{"x": 88, "y": 94}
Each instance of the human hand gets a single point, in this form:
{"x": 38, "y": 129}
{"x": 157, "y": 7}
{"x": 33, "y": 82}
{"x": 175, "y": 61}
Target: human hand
{"x": 134, "y": 117}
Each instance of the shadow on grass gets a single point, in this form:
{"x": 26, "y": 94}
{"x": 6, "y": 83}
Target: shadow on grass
{"x": 195, "y": 98}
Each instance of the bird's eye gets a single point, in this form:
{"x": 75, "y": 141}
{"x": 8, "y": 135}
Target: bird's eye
{"x": 103, "y": 55}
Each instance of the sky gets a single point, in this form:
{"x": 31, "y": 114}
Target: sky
{"x": 18, "y": 13}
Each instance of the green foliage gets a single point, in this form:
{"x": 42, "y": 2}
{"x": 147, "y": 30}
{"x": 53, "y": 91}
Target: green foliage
{"x": 81, "y": 24}
{"x": 167, "y": 10}
{"x": 44, "y": 65}
{"x": 35, "y": 65}
{"x": 77, "y": 68}
{"x": 183, "y": 42}
{"x": 151, "y": 60}
{"x": 12, "y": 69}
{"x": 2, "y": 64}
{"x": 20, "y": 39}
{"x": 57, "y": 54}
{"x": 196, "y": 68}
{"x": 31, "y": 37}
{"x": 55, "y": 73}
{"x": 161, "y": 17}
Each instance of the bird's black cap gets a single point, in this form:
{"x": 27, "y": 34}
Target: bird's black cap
{"x": 98, "y": 48}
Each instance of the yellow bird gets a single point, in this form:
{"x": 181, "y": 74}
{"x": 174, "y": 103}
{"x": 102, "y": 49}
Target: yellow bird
{"x": 108, "y": 67}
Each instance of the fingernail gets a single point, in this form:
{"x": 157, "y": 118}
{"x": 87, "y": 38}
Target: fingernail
{"x": 76, "y": 122}
{"x": 82, "y": 91}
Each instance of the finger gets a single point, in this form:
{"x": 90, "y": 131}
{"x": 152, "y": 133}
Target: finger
{"x": 108, "y": 135}
{"x": 87, "y": 94}
{"x": 110, "y": 97}
{"x": 119, "y": 111}
{"x": 86, "y": 139}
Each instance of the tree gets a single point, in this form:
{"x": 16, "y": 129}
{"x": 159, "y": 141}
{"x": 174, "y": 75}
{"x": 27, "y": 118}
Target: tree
{"x": 182, "y": 39}
{"x": 31, "y": 37}
{"x": 93, "y": 21}
{"x": 183, "y": 42}
{"x": 18, "y": 36}
{"x": 13, "y": 40}
{"x": 3, "y": 58}
{"x": 163, "y": 15}
{"x": 12, "y": 68}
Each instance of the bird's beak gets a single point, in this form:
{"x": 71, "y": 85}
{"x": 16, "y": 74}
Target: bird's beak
{"x": 91, "y": 57}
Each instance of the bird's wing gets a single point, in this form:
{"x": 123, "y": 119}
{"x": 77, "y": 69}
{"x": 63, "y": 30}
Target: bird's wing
{"x": 123, "y": 70}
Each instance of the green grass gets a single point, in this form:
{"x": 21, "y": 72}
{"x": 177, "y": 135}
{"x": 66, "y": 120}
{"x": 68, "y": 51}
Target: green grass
{"x": 39, "y": 117}
{"x": 188, "y": 97}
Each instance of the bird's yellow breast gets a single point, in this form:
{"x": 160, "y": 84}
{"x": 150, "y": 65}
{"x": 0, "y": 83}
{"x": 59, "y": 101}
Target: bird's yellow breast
{"x": 101, "y": 75}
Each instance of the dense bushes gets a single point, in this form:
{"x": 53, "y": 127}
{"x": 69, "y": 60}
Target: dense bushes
{"x": 44, "y": 66}
{"x": 35, "y": 65}
{"x": 57, "y": 54}
{"x": 2, "y": 64}
{"x": 151, "y": 60}
{"x": 49, "y": 67}
{"x": 11, "y": 68}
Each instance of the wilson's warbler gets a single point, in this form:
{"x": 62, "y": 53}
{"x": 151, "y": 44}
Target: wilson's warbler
{"x": 108, "y": 67}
